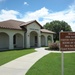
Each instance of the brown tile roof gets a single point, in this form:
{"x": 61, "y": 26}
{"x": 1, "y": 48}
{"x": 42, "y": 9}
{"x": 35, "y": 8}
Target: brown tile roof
{"x": 47, "y": 31}
{"x": 14, "y": 24}
{"x": 11, "y": 24}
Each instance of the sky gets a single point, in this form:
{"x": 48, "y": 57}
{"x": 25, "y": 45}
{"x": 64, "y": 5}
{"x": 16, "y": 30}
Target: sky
{"x": 41, "y": 10}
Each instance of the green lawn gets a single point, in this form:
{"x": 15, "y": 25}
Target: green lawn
{"x": 51, "y": 65}
{"x": 7, "y": 56}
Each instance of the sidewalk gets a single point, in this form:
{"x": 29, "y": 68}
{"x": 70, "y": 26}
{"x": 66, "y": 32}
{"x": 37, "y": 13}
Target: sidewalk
{"x": 21, "y": 65}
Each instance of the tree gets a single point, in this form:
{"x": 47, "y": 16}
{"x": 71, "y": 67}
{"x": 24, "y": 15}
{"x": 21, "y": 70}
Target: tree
{"x": 57, "y": 26}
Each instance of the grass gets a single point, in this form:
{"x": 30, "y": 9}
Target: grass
{"x": 51, "y": 65}
{"x": 7, "y": 56}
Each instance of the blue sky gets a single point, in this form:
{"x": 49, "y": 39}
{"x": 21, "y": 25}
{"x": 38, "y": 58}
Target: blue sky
{"x": 41, "y": 10}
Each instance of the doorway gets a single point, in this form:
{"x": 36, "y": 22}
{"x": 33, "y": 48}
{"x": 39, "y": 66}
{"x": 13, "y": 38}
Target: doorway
{"x": 33, "y": 39}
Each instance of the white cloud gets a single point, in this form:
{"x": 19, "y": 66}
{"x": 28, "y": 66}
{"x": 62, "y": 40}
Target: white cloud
{"x": 42, "y": 15}
{"x": 48, "y": 16}
{"x": 35, "y": 15}
{"x": 72, "y": 6}
{"x": 8, "y": 14}
{"x": 25, "y": 3}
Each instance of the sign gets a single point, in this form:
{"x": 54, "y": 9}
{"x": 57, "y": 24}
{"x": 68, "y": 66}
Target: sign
{"x": 34, "y": 29}
{"x": 67, "y": 41}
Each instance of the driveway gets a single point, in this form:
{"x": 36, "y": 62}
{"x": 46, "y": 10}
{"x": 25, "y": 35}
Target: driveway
{"x": 22, "y": 64}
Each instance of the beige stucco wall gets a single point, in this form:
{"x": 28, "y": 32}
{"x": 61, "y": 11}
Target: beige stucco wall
{"x": 11, "y": 33}
{"x": 33, "y": 27}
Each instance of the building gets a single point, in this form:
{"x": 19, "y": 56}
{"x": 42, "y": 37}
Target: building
{"x": 17, "y": 34}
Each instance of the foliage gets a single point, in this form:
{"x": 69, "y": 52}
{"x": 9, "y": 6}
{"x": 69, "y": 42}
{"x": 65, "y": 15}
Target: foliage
{"x": 53, "y": 46}
{"x": 51, "y": 65}
{"x": 7, "y": 56}
{"x": 57, "y": 26}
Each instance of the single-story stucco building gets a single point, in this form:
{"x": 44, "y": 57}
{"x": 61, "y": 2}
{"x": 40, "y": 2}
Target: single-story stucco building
{"x": 18, "y": 34}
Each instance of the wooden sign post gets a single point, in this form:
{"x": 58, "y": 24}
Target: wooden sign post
{"x": 67, "y": 43}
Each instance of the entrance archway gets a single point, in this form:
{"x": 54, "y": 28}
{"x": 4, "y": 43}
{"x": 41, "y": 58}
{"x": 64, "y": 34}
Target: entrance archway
{"x": 33, "y": 39}
{"x": 42, "y": 40}
{"x": 4, "y": 40}
{"x": 49, "y": 38}
{"x": 18, "y": 41}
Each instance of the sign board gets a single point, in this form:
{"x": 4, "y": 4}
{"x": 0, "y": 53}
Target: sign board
{"x": 67, "y": 41}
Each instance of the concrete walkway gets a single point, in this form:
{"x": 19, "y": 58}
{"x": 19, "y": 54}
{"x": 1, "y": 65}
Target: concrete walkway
{"x": 21, "y": 65}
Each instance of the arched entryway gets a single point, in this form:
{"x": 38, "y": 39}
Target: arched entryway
{"x": 49, "y": 38}
{"x": 33, "y": 39}
{"x": 43, "y": 40}
{"x": 18, "y": 41}
{"x": 4, "y": 40}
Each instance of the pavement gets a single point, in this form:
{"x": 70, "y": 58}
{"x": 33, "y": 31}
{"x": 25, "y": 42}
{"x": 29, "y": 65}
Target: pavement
{"x": 22, "y": 64}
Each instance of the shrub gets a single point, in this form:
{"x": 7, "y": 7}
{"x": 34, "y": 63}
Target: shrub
{"x": 53, "y": 46}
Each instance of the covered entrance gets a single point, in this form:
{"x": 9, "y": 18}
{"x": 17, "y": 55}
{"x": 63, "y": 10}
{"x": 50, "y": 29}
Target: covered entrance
{"x": 33, "y": 39}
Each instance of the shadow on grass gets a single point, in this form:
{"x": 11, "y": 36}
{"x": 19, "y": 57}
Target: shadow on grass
{"x": 5, "y": 50}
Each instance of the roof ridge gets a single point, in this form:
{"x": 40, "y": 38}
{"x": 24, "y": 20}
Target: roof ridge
{"x": 12, "y": 20}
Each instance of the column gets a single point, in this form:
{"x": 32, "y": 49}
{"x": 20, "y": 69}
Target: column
{"x": 52, "y": 38}
{"x": 23, "y": 41}
{"x": 46, "y": 41}
{"x": 27, "y": 40}
{"x": 39, "y": 40}
{"x": 11, "y": 42}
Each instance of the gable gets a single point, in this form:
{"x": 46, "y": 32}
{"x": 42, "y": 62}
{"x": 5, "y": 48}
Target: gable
{"x": 29, "y": 23}
{"x": 33, "y": 26}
